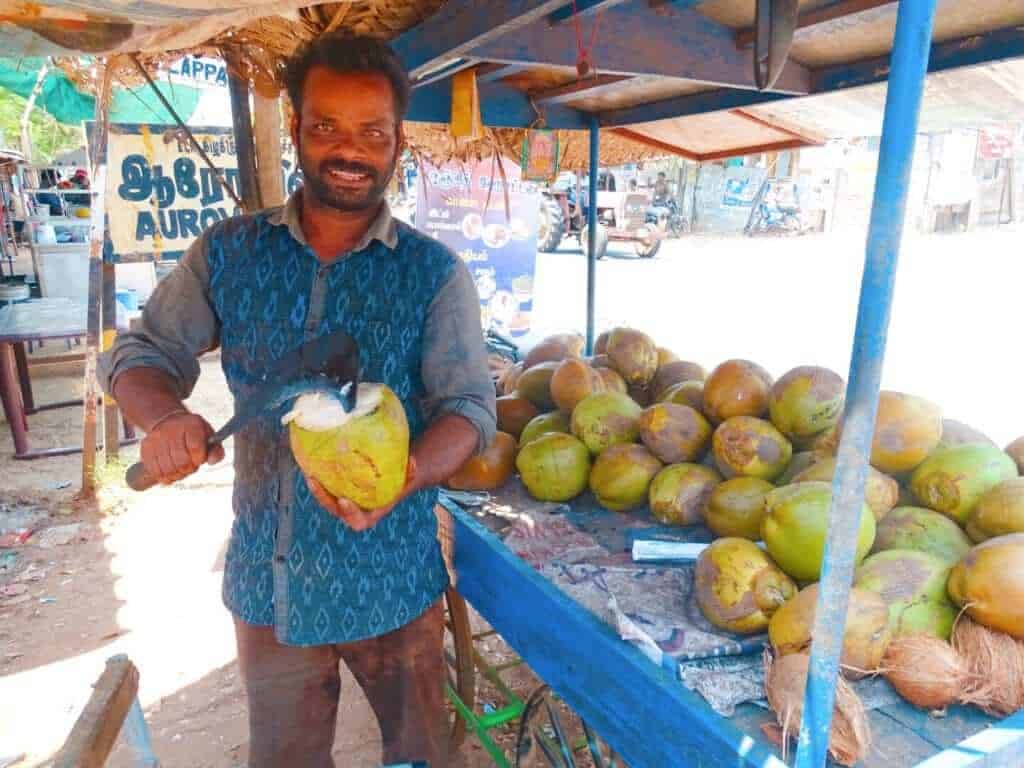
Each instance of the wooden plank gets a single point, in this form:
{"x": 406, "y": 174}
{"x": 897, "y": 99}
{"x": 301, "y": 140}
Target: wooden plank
{"x": 755, "y": 150}
{"x": 461, "y": 25}
{"x": 445, "y": 72}
{"x": 640, "y": 709}
{"x": 637, "y": 41}
{"x": 822, "y": 21}
{"x": 1001, "y": 746}
{"x": 500, "y": 105}
{"x": 651, "y": 142}
{"x": 776, "y": 126}
{"x": 490, "y": 71}
{"x": 583, "y": 9}
{"x": 575, "y": 90}
{"x": 241, "y": 121}
{"x": 98, "y": 160}
{"x": 266, "y": 115}
{"x": 94, "y": 733}
{"x": 716, "y": 100}
{"x": 111, "y": 418}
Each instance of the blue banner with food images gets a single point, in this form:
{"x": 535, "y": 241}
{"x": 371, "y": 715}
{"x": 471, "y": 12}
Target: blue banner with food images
{"x": 487, "y": 214}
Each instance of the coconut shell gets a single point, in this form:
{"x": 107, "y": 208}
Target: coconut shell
{"x": 785, "y": 679}
{"x": 514, "y": 413}
{"x": 622, "y": 475}
{"x": 749, "y": 447}
{"x": 633, "y": 354}
{"x": 606, "y": 419}
{"x": 556, "y": 421}
{"x": 953, "y": 480}
{"x": 737, "y": 507}
{"x": 679, "y": 494}
{"x": 999, "y": 512}
{"x": 989, "y": 584}
{"x": 881, "y": 492}
{"x": 572, "y": 381}
{"x": 925, "y": 670}
{"x": 922, "y": 529}
{"x": 907, "y": 429}
{"x": 490, "y": 470}
{"x": 689, "y": 393}
{"x": 535, "y": 385}
{"x": 736, "y": 388}
{"x": 995, "y": 663}
{"x": 806, "y": 401}
{"x": 611, "y": 380}
{"x": 554, "y": 467}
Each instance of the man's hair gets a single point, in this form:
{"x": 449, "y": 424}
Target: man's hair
{"x": 341, "y": 52}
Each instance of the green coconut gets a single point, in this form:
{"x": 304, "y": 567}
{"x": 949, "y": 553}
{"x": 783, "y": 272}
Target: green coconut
{"x": 913, "y": 585}
{"x": 806, "y": 402}
{"x": 796, "y": 523}
{"x": 606, "y": 419}
{"x": 924, "y": 530}
{"x": 999, "y": 512}
{"x": 674, "y": 433}
{"x": 535, "y": 385}
{"x": 736, "y": 507}
{"x": 738, "y": 587}
{"x": 750, "y": 447}
{"x": 622, "y": 475}
{"x": 679, "y": 494}
{"x": 633, "y": 354}
{"x": 907, "y": 429}
{"x": 989, "y": 584}
{"x": 736, "y": 388}
{"x": 881, "y": 492}
{"x": 952, "y": 481}
{"x": 554, "y": 467}
{"x": 361, "y": 456}
{"x": 556, "y": 421}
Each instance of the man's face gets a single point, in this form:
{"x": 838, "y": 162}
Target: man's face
{"x": 347, "y": 138}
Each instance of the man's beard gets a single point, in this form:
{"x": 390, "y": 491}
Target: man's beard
{"x": 318, "y": 181}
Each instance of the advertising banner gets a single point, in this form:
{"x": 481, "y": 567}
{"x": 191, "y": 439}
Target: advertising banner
{"x": 464, "y": 206}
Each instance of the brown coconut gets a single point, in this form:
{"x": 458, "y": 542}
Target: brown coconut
{"x": 674, "y": 433}
{"x": 514, "y": 413}
{"x": 907, "y": 429}
{"x": 555, "y": 349}
{"x": 785, "y": 679}
{"x": 689, "y": 393}
{"x": 572, "y": 381}
{"x": 736, "y": 388}
{"x": 490, "y": 470}
{"x": 1016, "y": 452}
{"x": 995, "y": 663}
{"x": 675, "y": 373}
{"x": 507, "y": 382}
{"x": 925, "y": 670}
{"x": 611, "y": 380}
{"x": 633, "y": 354}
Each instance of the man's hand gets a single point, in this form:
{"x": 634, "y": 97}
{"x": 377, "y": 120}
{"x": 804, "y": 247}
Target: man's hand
{"x": 177, "y": 447}
{"x": 354, "y": 516}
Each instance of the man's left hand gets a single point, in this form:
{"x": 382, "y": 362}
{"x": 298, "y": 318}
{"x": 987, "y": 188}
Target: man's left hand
{"x": 350, "y": 513}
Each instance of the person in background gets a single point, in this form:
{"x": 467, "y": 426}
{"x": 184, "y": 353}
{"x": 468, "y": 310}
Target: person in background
{"x": 80, "y": 180}
{"x": 48, "y": 180}
{"x": 661, "y": 190}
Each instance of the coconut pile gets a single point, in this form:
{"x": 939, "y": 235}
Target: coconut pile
{"x": 937, "y": 603}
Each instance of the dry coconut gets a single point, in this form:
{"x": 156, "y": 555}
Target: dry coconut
{"x": 785, "y": 678}
{"x": 995, "y": 662}
{"x": 925, "y": 670}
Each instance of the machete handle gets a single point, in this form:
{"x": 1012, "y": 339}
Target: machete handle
{"x": 138, "y": 479}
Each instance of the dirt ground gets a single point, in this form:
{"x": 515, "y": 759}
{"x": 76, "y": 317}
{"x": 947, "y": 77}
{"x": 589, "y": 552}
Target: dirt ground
{"x": 141, "y": 576}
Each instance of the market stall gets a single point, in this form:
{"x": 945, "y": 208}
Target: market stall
{"x": 528, "y": 64}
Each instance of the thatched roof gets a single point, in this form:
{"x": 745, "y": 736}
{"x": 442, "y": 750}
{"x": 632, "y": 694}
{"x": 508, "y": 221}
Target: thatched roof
{"x": 436, "y": 143}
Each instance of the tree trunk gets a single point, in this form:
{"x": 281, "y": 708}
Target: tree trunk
{"x": 26, "y": 138}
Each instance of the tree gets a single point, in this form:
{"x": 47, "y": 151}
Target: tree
{"x": 49, "y": 138}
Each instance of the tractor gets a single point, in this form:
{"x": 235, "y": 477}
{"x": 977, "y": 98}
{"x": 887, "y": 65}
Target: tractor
{"x": 623, "y": 216}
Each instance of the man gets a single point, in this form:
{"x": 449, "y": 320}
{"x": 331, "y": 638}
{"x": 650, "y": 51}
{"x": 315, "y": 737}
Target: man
{"x": 311, "y": 579}
{"x": 661, "y": 190}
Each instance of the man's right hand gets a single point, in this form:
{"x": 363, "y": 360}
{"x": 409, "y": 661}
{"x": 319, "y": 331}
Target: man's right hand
{"x": 177, "y": 447}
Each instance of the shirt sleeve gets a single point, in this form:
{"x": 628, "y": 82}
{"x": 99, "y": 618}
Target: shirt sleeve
{"x": 455, "y": 372}
{"x": 178, "y": 324}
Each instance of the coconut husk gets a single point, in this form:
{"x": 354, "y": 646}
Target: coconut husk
{"x": 926, "y": 671}
{"x": 995, "y": 662}
{"x": 784, "y": 681}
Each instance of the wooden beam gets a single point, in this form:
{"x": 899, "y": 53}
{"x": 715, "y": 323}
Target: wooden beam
{"x": 640, "y": 138}
{"x": 716, "y": 100}
{"x": 94, "y": 308}
{"x": 500, "y": 105}
{"x": 241, "y": 121}
{"x": 267, "y": 134}
{"x": 93, "y": 736}
{"x": 757, "y": 149}
{"x": 577, "y": 89}
{"x": 680, "y": 43}
{"x": 445, "y": 72}
{"x": 111, "y": 417}
{"x": 830, "y": 19}
{"x": 462, "y": 25}
{"x": 490, "y": 72}
{"x": 775, "y": 126}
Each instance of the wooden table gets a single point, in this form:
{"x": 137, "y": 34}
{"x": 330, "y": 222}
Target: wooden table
{"x": 37, "y": 320}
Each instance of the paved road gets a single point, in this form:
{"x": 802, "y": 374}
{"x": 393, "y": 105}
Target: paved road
{"x": 955, "y": 332}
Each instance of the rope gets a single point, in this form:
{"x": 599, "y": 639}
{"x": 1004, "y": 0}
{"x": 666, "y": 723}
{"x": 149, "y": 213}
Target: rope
{"x": 583, "y": 62}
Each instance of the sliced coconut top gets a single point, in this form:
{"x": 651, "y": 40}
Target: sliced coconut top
{"x": 321, "y": 411}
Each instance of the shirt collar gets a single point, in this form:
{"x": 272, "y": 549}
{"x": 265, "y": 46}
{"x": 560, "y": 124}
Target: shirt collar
{"x": 383, "y": 228}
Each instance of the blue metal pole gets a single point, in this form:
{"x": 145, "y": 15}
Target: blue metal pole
{"x": 595, "y": 159}
{"x": 909, "y": 65}
{"x": 136, "y": 736}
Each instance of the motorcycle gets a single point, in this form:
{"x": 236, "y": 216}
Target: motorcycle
{"x": 666, "y": 215}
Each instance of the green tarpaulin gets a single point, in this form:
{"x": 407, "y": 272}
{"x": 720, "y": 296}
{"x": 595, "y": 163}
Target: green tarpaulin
{"x": 68, "y": 105}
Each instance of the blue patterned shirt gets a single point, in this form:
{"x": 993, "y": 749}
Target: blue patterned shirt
{"x": 253, "y": 286}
